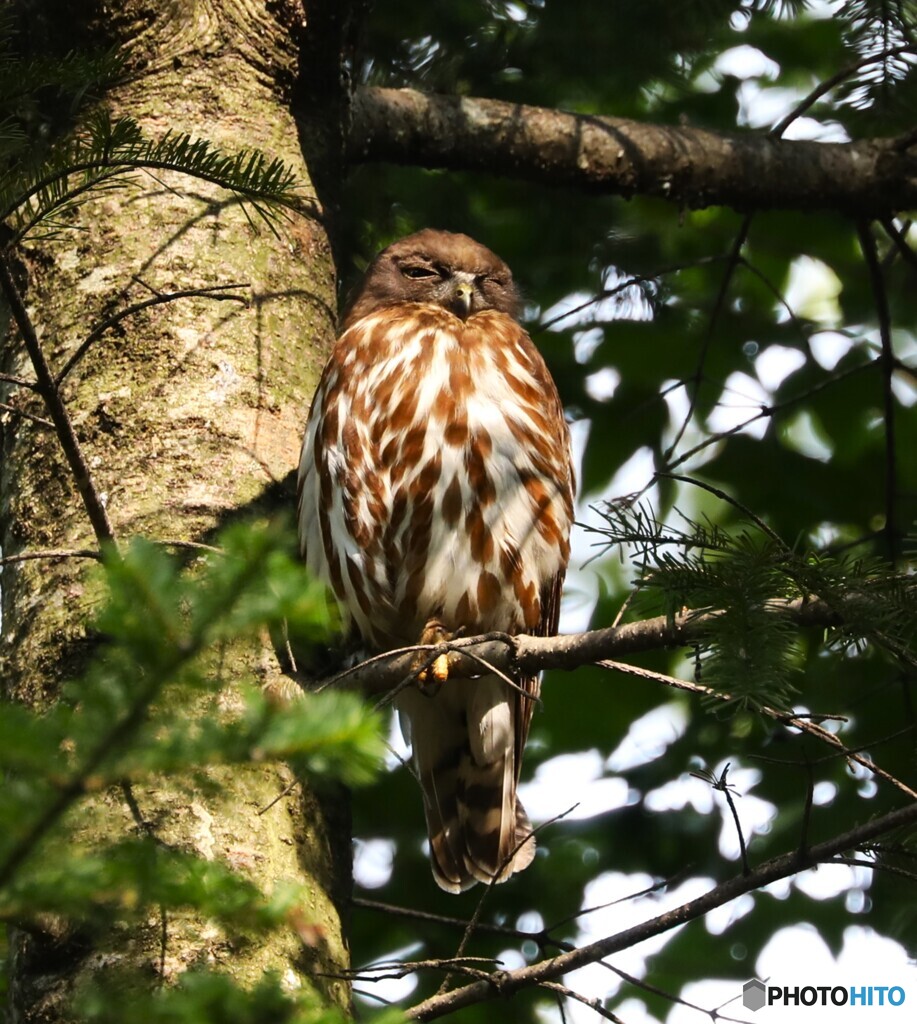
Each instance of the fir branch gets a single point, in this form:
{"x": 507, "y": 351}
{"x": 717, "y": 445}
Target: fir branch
{"x": 745, "y": 650}
{"x": 104, "y": 155}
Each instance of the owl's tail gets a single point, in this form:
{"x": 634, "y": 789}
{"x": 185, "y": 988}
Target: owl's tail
{"x": 467, "y": 766}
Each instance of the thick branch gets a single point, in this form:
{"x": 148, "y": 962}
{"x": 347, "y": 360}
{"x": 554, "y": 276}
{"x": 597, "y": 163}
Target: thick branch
{"x": 506, "y": 983}
{"x": 691, "y": 166}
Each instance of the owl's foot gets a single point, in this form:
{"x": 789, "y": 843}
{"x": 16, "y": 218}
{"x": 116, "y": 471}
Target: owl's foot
{"x": 430, "y": 679}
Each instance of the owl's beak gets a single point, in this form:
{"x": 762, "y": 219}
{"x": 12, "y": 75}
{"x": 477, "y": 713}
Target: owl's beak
{"x": 463, "y": 299}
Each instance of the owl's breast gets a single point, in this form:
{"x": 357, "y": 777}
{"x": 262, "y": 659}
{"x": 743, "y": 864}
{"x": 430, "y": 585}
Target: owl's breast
{"x": 444, "y": 489}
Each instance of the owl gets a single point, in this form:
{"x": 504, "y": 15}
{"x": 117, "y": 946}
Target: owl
{"x": 436, "y": 498}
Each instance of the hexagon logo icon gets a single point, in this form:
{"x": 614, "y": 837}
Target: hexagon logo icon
{"x": 753, "y": 994}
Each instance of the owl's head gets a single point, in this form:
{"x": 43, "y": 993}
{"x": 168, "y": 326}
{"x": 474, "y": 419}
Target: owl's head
{"x": 439, "y": 268}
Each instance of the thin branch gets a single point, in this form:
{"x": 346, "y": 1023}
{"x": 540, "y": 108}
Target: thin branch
{"x": 211, "y": 292}
{"x": 876, "y": 865}
{"x": 40, "y": 420}
{"x": 722, "y": 786}
{"x": 735, "y": 255}
{"x": 631, "y": 282}
{"x": 784, "y": 718}
{"x": 528, "y": 655}
{"x": 767, "y": 411}
{"x": 426, "y": 915}
{"x": 20, "y": 382}
{"x": 187, "y": 545}
{"x": 900, "y": 241}
{"x": 825, "y": 87}
{"x": 887, "y": 362}
{"x": 730, "y": 500}
{"x": 593, "y": 1004}
{"x": 544, "y": 938}
{"x": 846, "y": 752}
{"x": 585, "y": 911}
{"x": 554, "y": 967}
{"x": 397, "y": 969}
{"x": 58, "y": 553}
{"x": 95, "y": 509}
{"x": 52, "y": 554}
{"x": 478, "y": 910}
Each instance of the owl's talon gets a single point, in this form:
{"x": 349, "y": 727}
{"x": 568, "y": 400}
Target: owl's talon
{"x": 430, "y": 679}
{"x": 441, "y": 668}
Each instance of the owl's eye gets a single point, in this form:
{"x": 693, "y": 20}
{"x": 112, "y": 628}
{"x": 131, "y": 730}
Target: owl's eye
{"x": 417, "y": 272}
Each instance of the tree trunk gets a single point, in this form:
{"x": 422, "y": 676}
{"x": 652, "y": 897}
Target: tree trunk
{"x": 187, "y": 413}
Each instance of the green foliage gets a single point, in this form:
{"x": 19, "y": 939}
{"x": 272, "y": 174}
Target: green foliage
{"x": 102, "y": 155}
{"x": 42, "y": 180}
{"x": 739, "y": 580}
{"x": 133, "y": 718}
{"x": 38, "y": 90}
{"x": 685, "y": 328}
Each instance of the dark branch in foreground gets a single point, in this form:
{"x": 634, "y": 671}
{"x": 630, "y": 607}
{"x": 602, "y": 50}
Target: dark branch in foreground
{"x": 690, "y": 166}
{"x": 508, "y": 982}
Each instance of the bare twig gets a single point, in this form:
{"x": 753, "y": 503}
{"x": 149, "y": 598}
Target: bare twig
{"x": 887, "y": 362}
{"x": 218, "y": 292}
{"x": 593, "y": 1004}
{"x": 876, "y": 865}
{"x": 95, "y": 509}
{"x": 900, "y": 241}
{"x": 51, "y": 554}
{"x": 20, "y": 382}
{"x": 735, "y": 255}
{"x": 729, "y": 499}
{"x": 40, "y": 420}
{"x": 788, "y": 719}
{"x": 389, "y": 970}
{"x": 476, "y": 916}
{"x": 631, "y": 282}
{"x": 722, "y": 786}
{"x": 554, "y": 967}
{"x": 829, "y": 83}
{"x": 767, "y": 411}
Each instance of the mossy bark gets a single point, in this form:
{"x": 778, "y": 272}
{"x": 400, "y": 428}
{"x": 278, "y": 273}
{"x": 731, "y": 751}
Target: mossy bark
{"x": 188, "y": 413}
